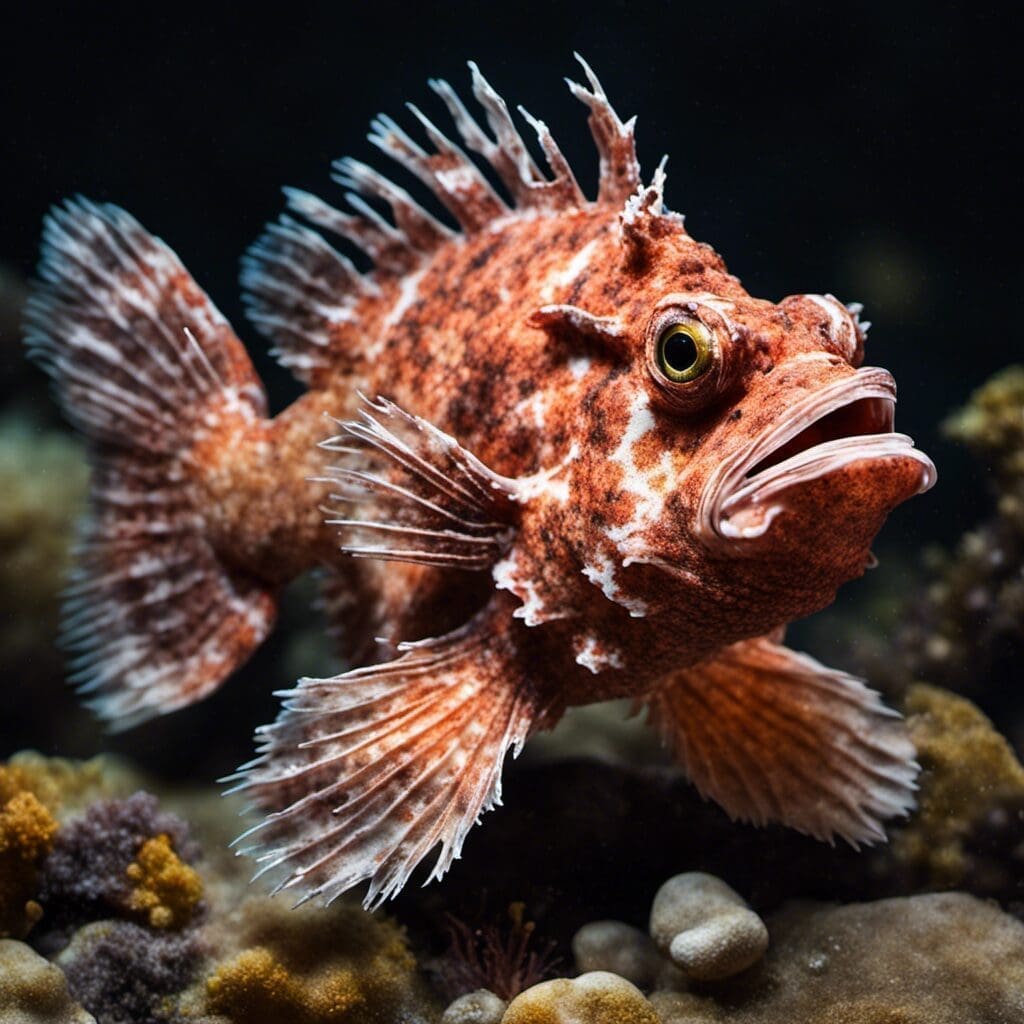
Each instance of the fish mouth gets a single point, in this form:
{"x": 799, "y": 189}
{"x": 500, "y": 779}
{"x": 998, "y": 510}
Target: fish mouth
{"x": 845, "y": 421}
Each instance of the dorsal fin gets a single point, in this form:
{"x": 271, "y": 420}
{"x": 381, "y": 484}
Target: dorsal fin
{"x": 620, "y": 170}
{"x": 309, "y": 298}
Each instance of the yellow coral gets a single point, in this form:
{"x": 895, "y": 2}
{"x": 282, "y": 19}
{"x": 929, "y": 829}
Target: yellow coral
{"x": 27, "y": 829}
{"x": 339, "y": 966}
{"x": 967, "y": 769}
{"x": 992, "y": 422}
{"x": 256, "y": 986}
{"x": 595, "y": 998}
{"x": 60, "y": 784}
{"x": 166, "y": 889}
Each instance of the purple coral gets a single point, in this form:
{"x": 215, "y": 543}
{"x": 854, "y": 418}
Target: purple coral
{"x": 123, "y": 972}
{"x": 84, "y": 877}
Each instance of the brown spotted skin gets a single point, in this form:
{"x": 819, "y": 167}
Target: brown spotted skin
{"x": 545, "y": 512}
{"x": 465, "y": 358}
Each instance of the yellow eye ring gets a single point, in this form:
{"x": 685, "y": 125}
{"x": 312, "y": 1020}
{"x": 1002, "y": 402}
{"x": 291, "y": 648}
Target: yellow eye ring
{"x": 684, "y": 352}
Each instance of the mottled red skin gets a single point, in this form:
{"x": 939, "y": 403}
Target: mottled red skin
{"x": 495, "y": 398}
{"x": 466, "y": 357}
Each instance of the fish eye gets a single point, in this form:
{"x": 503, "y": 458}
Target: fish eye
{"x": 684, "y": 352}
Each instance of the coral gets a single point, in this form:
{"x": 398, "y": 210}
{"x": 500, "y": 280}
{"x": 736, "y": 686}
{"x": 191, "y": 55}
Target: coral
{"x": 480, "y": 1007}
{"x": 27, "y": 829}
{"x": 497, "y": 958}
{"x": 595, "y": 998}
{"x": 313, "y": 966}
{"x": 86, "y": 876}
{"x": 33, "y": 991}
{"x": 619, "y": 948}
{"x": 61, "y": 785}
{"x": 127, "y": 974}
{"x": 705, "y": 927}
{"x": 256, "y": 983}
{"x": 942, "y": 958}
{"x": 967, "y": 632}
{"x": 969, "y": 771}
{"x": 166, "y": 889}
{"x": 992, "y": 424}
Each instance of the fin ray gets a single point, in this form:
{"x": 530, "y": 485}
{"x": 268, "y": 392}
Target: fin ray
{"x": 772, "y": 735}
{"x": 430, "y": 732}
{"x": 310, "y": 300}
{"x": 427, "y": 500}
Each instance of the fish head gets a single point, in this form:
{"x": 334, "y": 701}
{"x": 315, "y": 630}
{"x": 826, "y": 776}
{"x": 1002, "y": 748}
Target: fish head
{"x": 742, "y": 451}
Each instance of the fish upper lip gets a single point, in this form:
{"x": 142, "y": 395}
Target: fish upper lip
{"x": 730, "y": 488}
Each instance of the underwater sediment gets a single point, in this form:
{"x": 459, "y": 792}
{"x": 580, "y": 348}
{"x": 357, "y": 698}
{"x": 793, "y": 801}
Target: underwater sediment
{"x": 121, "y": 902}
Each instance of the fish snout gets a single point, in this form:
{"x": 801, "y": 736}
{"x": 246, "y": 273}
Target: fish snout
{"x": 839, "y": 429}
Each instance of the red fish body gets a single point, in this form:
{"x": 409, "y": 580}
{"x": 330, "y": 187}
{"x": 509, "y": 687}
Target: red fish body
{"x": 596, "y": 468}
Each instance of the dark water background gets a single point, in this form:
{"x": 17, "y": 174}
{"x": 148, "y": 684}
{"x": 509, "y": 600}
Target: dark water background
{"x": 872, "y": 152}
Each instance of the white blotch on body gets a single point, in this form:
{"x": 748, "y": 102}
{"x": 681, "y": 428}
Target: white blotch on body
{"x": 579, "y": 366}
{"x": 506, "y": 577}
{"x": 533, "y": 409}
{"x": 648, "y": 488}
{"x": 564, "y": 276}
{"x": 596, "y": 656}
{"x": 602, "y": 575}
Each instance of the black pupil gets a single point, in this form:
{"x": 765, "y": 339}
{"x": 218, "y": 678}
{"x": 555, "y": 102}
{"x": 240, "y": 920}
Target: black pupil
{"x": 680, "y": 352}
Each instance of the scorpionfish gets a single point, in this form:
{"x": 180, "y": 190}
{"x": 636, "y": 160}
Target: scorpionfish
{"x": 569, "y": 458}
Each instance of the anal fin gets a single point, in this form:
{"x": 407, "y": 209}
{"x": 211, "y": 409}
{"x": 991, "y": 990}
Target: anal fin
{"x": 774, "y": 736}
{"x": 364, "y": 773}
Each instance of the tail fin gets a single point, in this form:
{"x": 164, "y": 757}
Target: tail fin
{"x": 144, "y": 366}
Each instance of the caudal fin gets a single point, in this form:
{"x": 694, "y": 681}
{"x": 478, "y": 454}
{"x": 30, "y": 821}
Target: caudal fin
{"x": 145, "y": 367}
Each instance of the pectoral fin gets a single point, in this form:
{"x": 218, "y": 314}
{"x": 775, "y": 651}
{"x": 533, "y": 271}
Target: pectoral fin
{"x": 364, "y": 773}
{"x": 774, "y": 736}
{"x": 423, "y": 499}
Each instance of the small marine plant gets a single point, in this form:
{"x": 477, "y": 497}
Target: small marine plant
{"x": 497, "y": 956}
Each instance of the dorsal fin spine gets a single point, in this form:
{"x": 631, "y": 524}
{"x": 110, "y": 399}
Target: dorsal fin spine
{"x": 509, "y": 148}
{"x": 620, "y": 171}
{"x": 301, "y": 291}
{"x": 367, "y": 231}
{"x": 563, "y": 188}
{"x": 421, "y": 227}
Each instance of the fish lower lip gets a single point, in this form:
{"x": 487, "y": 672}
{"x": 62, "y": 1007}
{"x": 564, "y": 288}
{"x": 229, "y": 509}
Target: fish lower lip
{"x": 846, "y": 421}
{"x": 820, "y": 460}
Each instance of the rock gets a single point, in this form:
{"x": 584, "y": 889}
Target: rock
{"x": 705, "y": 927}
{"x": 942, "y": 958}
{"x": 480, "y": 1007}
{"x": 595, "y": 998}
{"x": 33, "y": 991}
{"x": 618, "y": 948}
